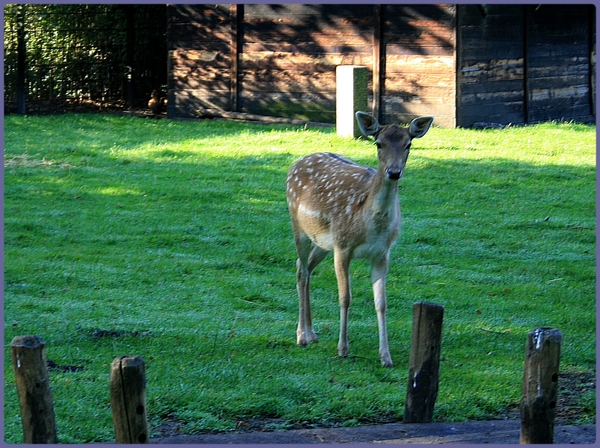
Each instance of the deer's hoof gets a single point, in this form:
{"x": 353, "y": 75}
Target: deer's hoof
{"x": 343, "y": 352}
{"x": 386, "y": 360}
{"x": 306, "y": 337}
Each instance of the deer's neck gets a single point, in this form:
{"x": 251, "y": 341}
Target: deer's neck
{"x": 383, "y": 194}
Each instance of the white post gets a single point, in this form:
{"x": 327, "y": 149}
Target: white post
{"x": 351, "y": 96}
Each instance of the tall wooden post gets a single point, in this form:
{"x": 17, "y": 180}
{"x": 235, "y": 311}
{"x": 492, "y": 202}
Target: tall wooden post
{"x": 424, "y": 364}
{"x": 378, "y": 59}
{"x": 130, "y": 54}
{"x": 128, "y": 399}
{"x": 33, "y": 386}
{"x": 540, "y": 385}
{"x": 21, "y": 61}
{"x": 237, "y": 20}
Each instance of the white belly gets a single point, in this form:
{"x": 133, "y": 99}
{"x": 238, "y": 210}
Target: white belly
{"x": 317, "y": 226}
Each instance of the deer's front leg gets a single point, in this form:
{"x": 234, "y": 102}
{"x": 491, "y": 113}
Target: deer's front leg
{"x": 342, "y": 268}
{"x": 378, "y": 275}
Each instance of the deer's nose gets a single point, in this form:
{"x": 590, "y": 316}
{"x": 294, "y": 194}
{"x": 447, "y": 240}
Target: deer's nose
{"x": 394, "y": 173}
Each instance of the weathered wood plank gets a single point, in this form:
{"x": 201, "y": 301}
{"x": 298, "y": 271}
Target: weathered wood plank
{"x": 186, "y": 79}
{"x": 329, "y": 11}
{"x": 196, "y": 12}
{"x": 493, "y": 70}
{"x": 318, "y": 100}
{"x": 421, "y": 79}
{"x": 417, "y": 105}
{"x": 419, "y": 64}
{"x": 510, "y": 90}
{"x": 302, "y": 62}
{"x": 567, "y": 94}
{"x": 400, "y": 14}
{"x": 492, "y": 97}
{"x": 415, "y": 37}
{"x": 315, "y": 47}
{"x": 442, "y": 119}
{"x": 423, "y": 50}
{"x": 214, "y": 113}
{"x": 304, "y": 31}
{"x": 197, "y": 32}
{"x": 288, "y": 82}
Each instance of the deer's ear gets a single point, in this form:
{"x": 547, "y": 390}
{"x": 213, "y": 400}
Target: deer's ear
{"x": 419, "y": 127}
{"x": 367, "y": 124}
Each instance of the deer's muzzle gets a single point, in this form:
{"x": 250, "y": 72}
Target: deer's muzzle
{"x": 394, "y": 173}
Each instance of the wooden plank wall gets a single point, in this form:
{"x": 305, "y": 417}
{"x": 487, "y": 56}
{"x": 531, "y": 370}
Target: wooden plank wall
{"x": 558, "y": 62}
{"x": 525, "y": 63}
{"x": 491, "y": 83}
{"x": 460, "y": 63}
{"x": 419, "y": 63}
{"x": 288, "y": 55}
{"x": 199, "y": 46}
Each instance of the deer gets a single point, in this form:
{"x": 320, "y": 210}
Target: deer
{"x": 339, "y": 206}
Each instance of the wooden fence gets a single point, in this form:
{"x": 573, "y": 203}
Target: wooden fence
{"x": 128, "y": 384}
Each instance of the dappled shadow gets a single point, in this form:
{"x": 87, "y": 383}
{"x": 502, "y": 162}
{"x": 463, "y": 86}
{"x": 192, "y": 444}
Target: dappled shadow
{"x": 288, "y": 55}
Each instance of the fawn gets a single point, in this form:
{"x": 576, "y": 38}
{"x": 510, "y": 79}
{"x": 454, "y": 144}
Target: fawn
{"x": 353, "y": 210}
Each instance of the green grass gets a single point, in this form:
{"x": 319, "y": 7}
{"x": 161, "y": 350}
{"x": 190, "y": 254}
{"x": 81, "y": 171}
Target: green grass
{"x": 171, "y": 240}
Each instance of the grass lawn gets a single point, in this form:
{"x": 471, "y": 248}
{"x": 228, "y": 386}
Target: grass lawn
{"x": 171, "y": 240}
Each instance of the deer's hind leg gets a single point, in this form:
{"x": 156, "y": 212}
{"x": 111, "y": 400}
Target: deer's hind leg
{"x": 342, "y": 273}
{"x": 309, "y": 256}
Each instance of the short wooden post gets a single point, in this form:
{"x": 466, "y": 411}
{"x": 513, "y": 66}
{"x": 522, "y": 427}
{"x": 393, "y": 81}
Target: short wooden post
{"x": 424, "y": 364}
{"x": 33, "y": 387}
{"x": 351, "y": 96}
{"x": 128, "y": 399}
{"x": 540, "y": 385}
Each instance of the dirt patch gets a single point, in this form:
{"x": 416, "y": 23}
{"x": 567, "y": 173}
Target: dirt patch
{"x": 53, "y": 367}
{"x": 492, "y": 432}
{"x": 576, "y": 397}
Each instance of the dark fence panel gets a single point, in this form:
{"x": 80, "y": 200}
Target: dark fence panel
{"x": 105, "y": 55}
{"x": 537, "y": 64}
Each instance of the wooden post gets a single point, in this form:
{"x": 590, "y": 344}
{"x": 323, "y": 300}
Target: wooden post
{"x": 21, "y": 62}
{"x": 378, "y": 59}
{"x": 351, "y": 96}
{"x": 540, "y": 385}
{"x": 128, "y": 399}
{"x": 237, "y": 20}
{"x": 33, "y": 386}
{"x": 424, "y": 365}
{"x": 129, "y": 54}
